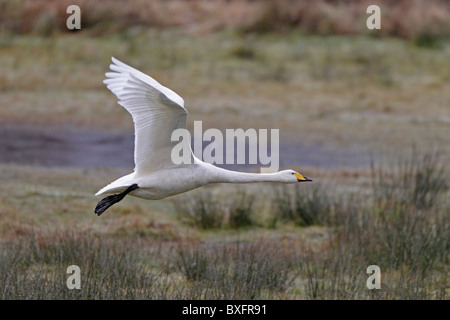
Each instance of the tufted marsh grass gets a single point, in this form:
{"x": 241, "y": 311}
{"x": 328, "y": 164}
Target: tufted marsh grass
{"x": 255, "y": 242}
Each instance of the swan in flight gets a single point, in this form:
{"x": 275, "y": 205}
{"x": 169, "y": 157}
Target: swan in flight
{"x": 157, "y": 111}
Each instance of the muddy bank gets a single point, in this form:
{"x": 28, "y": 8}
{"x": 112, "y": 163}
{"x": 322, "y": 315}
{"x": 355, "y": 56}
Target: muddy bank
{"x": 47, "y": 146}
{"x": 73, "y": 147}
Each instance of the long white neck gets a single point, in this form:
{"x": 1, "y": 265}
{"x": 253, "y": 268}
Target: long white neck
{"x": 220, "y": 175}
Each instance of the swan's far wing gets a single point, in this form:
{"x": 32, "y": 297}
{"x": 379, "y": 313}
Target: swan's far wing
{"x": 156, "y": 110}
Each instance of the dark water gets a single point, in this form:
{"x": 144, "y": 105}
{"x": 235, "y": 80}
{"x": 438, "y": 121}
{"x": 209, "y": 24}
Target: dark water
{"x": 70, "y": 147}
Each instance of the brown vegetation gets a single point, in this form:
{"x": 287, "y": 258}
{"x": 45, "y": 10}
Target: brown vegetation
{"x": 404, "y": 18}
{"x": 142, "y": 252}
{"x": 310, "y": 241}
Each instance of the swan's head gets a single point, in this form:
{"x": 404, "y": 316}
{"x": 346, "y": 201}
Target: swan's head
{"x": 291, "y": 176}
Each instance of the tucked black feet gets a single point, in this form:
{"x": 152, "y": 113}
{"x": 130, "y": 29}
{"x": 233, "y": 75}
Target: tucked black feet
{"x": 108, "y": 201}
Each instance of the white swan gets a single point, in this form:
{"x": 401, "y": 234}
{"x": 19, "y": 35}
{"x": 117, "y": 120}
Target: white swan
{"x": 157, "y": 111}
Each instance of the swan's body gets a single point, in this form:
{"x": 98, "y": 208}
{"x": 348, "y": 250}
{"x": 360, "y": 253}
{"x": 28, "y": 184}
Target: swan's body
{"x": 157, "y": 111}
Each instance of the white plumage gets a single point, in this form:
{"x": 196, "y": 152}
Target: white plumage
{"x": 157, "y": 111}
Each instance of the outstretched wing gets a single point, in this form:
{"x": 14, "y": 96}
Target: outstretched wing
{"x": 156, "y": 112}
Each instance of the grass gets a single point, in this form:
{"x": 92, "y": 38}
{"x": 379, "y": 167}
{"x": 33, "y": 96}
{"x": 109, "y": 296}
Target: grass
{"x": 366, "y": 89}
{"x": 201, "y": 211}
{"x": 305, "y": 241}
{"x": 286, "y": 260}
{"x": 303, "y": 206}
{"x": 207, "y": 210}
{"x": 236, "y": 271}
{"x": 35, "y": 268}
{"x": 415, "y": 182}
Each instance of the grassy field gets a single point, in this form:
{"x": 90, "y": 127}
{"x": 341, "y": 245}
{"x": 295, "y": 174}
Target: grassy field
{"x": 384, "y": 96}
{"x": 342, "y": 91}
{"x": 227, "y": 243}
